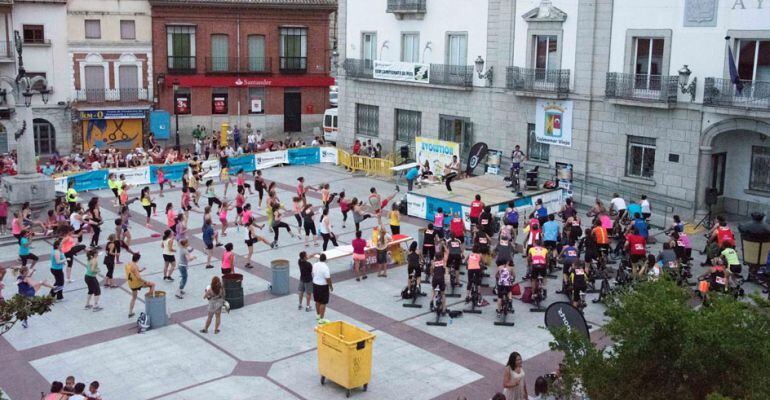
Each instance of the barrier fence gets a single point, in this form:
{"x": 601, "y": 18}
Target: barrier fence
{"x": 145, "y": 175}
{"x": 371, "y": 166}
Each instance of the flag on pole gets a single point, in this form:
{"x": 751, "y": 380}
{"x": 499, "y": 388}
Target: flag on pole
{"x": 734, "y": 78}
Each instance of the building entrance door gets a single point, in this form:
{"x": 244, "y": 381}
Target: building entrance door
{"x": 292, "y": 112}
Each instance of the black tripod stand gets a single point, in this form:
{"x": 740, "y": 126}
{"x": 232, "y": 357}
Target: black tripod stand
{"x": 707, "y": 221}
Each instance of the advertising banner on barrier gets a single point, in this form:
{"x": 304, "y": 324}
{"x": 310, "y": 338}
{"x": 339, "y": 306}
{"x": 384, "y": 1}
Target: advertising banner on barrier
{"x": 329, "y": 155}
{"x": 210, "y": 169}
{"x": 245, "y": 163}
{"x": 401, "y": 71}
{"x": 270, "y": 159}
{"x": 134, "y": 176}
{"x": 553, "y": 123}
{"x": 304, "y": 156}
{"x": 91, "y": 180}
{"x": 433, "y": 204}
{"x": 415, "y": 206}
{"x": 172, "y": 171}
{"x": 60, "y": 185}
{"x": 437, "y": 152}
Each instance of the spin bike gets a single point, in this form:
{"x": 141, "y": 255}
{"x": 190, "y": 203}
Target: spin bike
{"x": 475, "y": 298}
{"x": 505, "y": 309}
{"x": 436, "y": 306}
{"x": 539, "y": 295}
{"x": 515, "y": 180}
{"x": 415, "y": 292}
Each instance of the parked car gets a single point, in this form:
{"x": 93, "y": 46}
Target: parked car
{"x": 330, "y": 127}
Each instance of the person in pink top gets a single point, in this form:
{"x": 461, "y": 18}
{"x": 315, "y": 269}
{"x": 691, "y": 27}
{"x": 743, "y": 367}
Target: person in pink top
{"x": 240, "y": 200}
{"x": 344, "y": 207}
{"x": 241, "y": 182}
{"x": 359, "y": 256}
{"x": 170, "y": 217}
{"x": 226, "y": 206}
{"x": 228, "y": 260}
{"x": 3, "y": 215}
{"x": 16, "y": 225}
{"x": 246, "y": 215}
{"x": 162, "y": 181}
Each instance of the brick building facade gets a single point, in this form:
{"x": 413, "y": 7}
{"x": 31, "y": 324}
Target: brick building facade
{"x": 265, "y": 63}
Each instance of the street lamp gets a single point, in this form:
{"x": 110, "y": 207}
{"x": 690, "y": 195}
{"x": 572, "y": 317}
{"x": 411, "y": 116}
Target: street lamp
{"x": 489, "y": 75}
{"x": 684, "y": 76}
{"x": 175, "y": 85}
{"x": 27, "y": 98}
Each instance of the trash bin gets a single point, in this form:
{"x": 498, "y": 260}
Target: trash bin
{"x": 280, "y": 277}
{"x": 345, "y": 354}
{"x": 155, "y": 308}
{"x": 532, "y": 179}
{"x": 233, "y": 284}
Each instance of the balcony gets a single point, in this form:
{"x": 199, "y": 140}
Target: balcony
{"x": 755, "y": 95}
{"x": 98, "y": 96}
{"x": 537, "y": 82}
{"x": 181, "y": 65}
{"x": 411, "y": 8}
{"x": 221, "y": 65}
{"x": 232, "y": 65}
{"x": 293, "y": 65}
{"x": 641, "y": 90}
{"x": 440, "y": 74}
{"x": 6, "y": 52}
{"x": 257, "y": 65}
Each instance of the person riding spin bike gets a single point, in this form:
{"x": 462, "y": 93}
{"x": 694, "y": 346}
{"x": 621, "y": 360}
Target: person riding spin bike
{"x": 538, "y": 262}
{"x": 579, "y": 284}
{"x": 429, "y": 243}
{"x": 505, "y": 276}
{"x": 439, "y": 281}
{"x": 552, "y": 235}
{"x": 456, "y": 249}
{"x": 474, "y": 271}
{"x": 713, "y": 280}
{"x": 413, "y": 265}
{"x": 484, "y": 243}
{"x": 569, "y": 257}
{"x": 730, "y": 257}
{"x": 601, "y": 238}
{"x": 504, "y": 248}
{"x": 637, "y": 250}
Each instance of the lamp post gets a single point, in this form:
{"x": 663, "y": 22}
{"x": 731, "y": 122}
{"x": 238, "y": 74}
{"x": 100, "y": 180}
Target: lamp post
{"x": 489, "y": 75}
{"x": 684, "y": 77}
{"x": 175, "y": 84}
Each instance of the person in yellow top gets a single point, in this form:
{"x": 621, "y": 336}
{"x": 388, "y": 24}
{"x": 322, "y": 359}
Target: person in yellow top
{"x": 72, "y": 196}
{"x": 136, "y": 282}
{"x": 395, "y": 220}
{"x": 114, "y": 184}
{"x": 538, "y": 261}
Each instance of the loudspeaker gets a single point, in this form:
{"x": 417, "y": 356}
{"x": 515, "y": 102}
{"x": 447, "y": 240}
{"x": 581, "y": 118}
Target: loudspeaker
{"x": 405, "y": 152}
{"x": 711, "y": 196}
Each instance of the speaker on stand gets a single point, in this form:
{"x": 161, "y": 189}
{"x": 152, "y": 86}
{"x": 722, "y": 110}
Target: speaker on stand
{"x": 712, "y": 196}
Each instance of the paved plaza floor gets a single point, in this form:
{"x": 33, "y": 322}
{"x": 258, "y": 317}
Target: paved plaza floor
{"x": 266, "y": 350}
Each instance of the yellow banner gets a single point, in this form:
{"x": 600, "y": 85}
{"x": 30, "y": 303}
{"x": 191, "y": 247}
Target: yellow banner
{"x": 121, "y": 133}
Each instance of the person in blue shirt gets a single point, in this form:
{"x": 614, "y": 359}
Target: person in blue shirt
{"x": 24, "y": 252}
{"x": 551, "y": 234}
{"x": 209, "y": 237}
{"x": 411, "y": 175}
{"x": 633, "y": 209}
{"x": 641, "y": 225}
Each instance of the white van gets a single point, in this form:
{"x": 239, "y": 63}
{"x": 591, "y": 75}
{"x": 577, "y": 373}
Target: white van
{"x": 330, "y": 125}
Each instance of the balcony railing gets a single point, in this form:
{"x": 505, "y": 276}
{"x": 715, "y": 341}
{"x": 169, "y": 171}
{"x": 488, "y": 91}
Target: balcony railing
{"x": 221, "y": 65}
{"x": 406, "y": 6}
{"x": 294, "y": 64}
{"x": 181, "y": 64}
{"x": 256, "y": 65}
{"x": 537, "y": 80}
{"x": 647, "y": 88}
{"x": 440, "y": 74}
{"x": 6, "y": 51}
{"x": 230, "y": 65}
{"x": 127, "y": 95}
{"x": 451, "y": 75}
{"x": 722, "y": 92}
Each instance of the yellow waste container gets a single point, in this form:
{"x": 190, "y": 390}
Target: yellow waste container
{"x": 345, "y": 355}
{"x": 397, "y": 254}
{"x": 223, "y": 133}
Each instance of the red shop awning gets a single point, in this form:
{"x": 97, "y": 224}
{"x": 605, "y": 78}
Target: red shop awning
{"x": 239, "y": 81}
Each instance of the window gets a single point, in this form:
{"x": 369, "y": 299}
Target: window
{"x": 293, "y": 49}
{"x": 129, "y": 82}
{"x": 456, "y": 129}
{"x": 457, "y": 49}
{"x": 536, "y": 151}
{"x": 718, "y": 164}
{"x": 127, "y": 29}
{"x": 219, "y": 53}
{"x": 368, "y": 48}
{"x": 219, "y": 101}
{"x": 93, "y": 29}
{"x": 94, "y": 83}
{"x": 257, "y": 62}
{"x": 408, "y": 125}
{"x": 546, "y": 52}
{"x": 753, "y": 60}
{"x": 181, "y": 47}
{"x": 648, "y": 63}
{"x": 257, "y": 100}
{"x": 367, "y": 120}
{"x": 45, "y": 136}
{"x": 760, "y": 168}
{"x": 33, "y": 34}
{"x": 640, "y": 157}
{"x": 410, "y": 47}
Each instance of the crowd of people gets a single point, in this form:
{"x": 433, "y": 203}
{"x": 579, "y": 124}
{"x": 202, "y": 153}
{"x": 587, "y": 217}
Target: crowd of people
{"x": 70, "y": 390}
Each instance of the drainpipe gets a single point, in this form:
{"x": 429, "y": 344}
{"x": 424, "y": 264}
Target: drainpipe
{"x": 238, "y": 65}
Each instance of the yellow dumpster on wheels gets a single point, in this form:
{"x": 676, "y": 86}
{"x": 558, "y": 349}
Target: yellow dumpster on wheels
{"x": 345, "y": 355}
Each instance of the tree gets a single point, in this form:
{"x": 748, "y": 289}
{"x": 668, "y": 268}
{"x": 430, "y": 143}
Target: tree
{"x": 20, "y": 308}
{"x": 663, "y": 348}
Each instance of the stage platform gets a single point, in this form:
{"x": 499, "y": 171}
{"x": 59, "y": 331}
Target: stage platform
{"x": 423, "y": 202}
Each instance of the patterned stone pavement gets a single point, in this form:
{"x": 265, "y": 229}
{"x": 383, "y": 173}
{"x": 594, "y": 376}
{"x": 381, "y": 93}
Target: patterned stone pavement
{"x": 268, "y": 348}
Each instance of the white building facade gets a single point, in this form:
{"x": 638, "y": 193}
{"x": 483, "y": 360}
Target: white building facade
{"x": 42, "y": 26}
{"x": 594, "y": 84}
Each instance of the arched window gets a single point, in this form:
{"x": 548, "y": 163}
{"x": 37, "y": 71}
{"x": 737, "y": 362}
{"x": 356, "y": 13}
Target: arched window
{"x": 45, "y": 136}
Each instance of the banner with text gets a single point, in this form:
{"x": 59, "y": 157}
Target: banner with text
{"x": 304, "y": 156}
{"x": 553, "y": 122}
{"x": 401, "y": 71}
{"x": 134, "y": 176}
{"x": 270, "y": 159}
{"x": 437, "y": 152}
{"x": 416, "y": 206}
{"x": 211, "y": 169}
{"x": 245, "y": 163}
{"x": 171, "y": 172}
{"x": 328, "y": 155}
{"x": 91, "y": 180}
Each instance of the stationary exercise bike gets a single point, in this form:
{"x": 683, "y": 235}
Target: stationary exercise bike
{"x": 426, "y": 263}
{"x": 436, "y": 305}
{"x": 507, "y": 307}
{"x": 414, "y": 292}
{"x": 515, "y": 180}
{"x": 475, "y": 298}
{"x": 453, "y": 282}
{"x": 538, "y": 296}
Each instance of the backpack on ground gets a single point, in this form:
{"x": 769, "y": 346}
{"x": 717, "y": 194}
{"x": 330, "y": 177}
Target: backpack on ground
{"x": 143, "y": 322}
{"x": 405, "y": 294}
{"x": 527, "y": 296}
